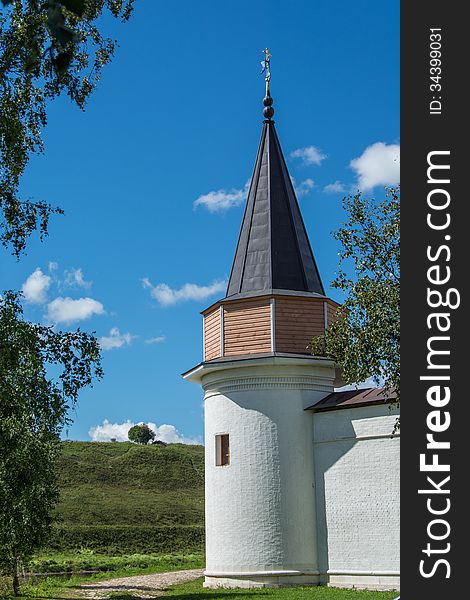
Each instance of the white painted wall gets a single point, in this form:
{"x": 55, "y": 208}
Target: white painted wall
{"x": 260, "y": 510}
{"x": 357, "y": 495}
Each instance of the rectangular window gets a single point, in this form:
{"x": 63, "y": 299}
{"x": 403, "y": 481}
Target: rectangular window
{"x": 222, "y": 450}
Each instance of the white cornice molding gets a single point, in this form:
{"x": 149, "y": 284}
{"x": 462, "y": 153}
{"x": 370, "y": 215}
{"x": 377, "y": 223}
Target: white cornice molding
{"x": 239, "y": 384}
{"x": 262, "y": 365}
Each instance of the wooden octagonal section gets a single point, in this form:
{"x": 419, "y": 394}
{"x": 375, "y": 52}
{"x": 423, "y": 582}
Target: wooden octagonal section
{"x": 265, "y": 324}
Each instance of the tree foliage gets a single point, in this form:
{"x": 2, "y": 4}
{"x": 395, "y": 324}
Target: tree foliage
{"x": 141, "y": 434}
{"x": 365, "y": 338}
{"x": 47, "y": 48}
{"x": 41, "y": 373}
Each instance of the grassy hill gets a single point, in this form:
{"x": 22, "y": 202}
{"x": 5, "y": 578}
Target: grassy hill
{"x": 128, "y": 498}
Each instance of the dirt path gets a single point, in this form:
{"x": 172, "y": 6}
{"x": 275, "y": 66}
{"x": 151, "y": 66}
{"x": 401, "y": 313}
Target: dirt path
{"x": 141, "y": 586}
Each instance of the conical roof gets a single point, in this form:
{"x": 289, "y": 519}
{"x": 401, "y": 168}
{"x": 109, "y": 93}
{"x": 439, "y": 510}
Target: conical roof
{"x": 273, "y": 252}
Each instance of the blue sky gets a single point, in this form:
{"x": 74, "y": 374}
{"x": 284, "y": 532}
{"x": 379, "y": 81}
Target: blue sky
{"x": 152, "y": 179}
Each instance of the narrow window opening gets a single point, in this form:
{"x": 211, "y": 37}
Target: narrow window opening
{"x": 222, "y": 450}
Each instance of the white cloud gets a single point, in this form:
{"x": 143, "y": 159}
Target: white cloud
{"x": 166, "y": 296}
{"x": 108, "y": 431}
{"x": 334, "y": 188}
{"x": 170, "y": 435}
{"x": 379, "y": 164}
{"x": 67, "y": 310}
{"x": 304, "y": 187}
{"x": 222, "y": 199}
{"x": 118, "y": 431}
{"x": 115, "y": 339}
{"x": 310, "y": 155}
{"x": 52, "y": 265}
{"x": 36, "y": 286}
{"x": 74, "y": 278}
{"x": 155, "y": 340}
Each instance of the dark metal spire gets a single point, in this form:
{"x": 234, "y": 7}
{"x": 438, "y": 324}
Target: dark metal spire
{"x": 273, "y": 251}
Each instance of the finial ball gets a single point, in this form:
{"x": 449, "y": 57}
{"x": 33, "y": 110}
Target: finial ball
{"x": 268, "y": 112}
{"x": 267, "y": 100}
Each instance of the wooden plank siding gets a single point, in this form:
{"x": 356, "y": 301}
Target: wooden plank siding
{"x": 212, "y": 334}
{"x": 297, "y": 321}
{"x": 332, "y": 306}
{"x": 247, "y": 327}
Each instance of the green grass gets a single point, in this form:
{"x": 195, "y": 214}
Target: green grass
{"x": 122, "y": 483}
{"x": 109, "y": 567}
{"x": 195, "y": 591}
{"x": 112, "y": 492}
{"x": 130, "y": 564}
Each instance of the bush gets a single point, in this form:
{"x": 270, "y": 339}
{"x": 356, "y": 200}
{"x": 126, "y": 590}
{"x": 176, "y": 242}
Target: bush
{"x": 124, "y": 539}
{"x": 74, "y": 561}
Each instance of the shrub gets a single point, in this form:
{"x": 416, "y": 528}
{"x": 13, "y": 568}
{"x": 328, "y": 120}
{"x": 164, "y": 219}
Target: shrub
{"x": 122, "y": 539}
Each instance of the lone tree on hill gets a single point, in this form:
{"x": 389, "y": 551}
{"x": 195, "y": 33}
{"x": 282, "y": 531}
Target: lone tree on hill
{"x": 141, "y": 434}
{"x": 365, "y": 339}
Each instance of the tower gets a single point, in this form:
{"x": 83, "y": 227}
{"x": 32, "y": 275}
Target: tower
{"x": 258, "y": 378}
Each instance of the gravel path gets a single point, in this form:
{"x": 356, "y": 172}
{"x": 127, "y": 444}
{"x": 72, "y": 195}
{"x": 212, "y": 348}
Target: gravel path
{"x": 142, "y": 586}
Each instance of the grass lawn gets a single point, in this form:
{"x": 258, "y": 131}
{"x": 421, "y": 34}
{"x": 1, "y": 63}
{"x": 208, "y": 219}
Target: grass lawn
{"x": 195, "y": 591}
{"x": 113, "y": 566}
{"x": 108, "y": 567}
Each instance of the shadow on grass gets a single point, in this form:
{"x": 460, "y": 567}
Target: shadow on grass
{"x": 129, "y": 592}
{"x": 44, "y": 597}
{"x": 123, "y": 587}
{"x": 212, "y": 595}
{"x": 127, "y": 596}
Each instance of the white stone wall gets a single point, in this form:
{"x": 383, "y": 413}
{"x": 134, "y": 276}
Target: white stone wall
{"x": 357, "y": 496}
{"x": 260, "y": 510}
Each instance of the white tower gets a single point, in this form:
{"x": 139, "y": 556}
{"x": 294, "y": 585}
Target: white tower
{"x": 258, "y": 378}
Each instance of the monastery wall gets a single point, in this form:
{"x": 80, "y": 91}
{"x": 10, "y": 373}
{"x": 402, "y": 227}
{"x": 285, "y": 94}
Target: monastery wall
{"x": 357, "y": 496}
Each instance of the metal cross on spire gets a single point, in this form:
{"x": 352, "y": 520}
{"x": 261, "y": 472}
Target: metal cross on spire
{"x": 268, "y": 111}
{"x": 266, "y": 64}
